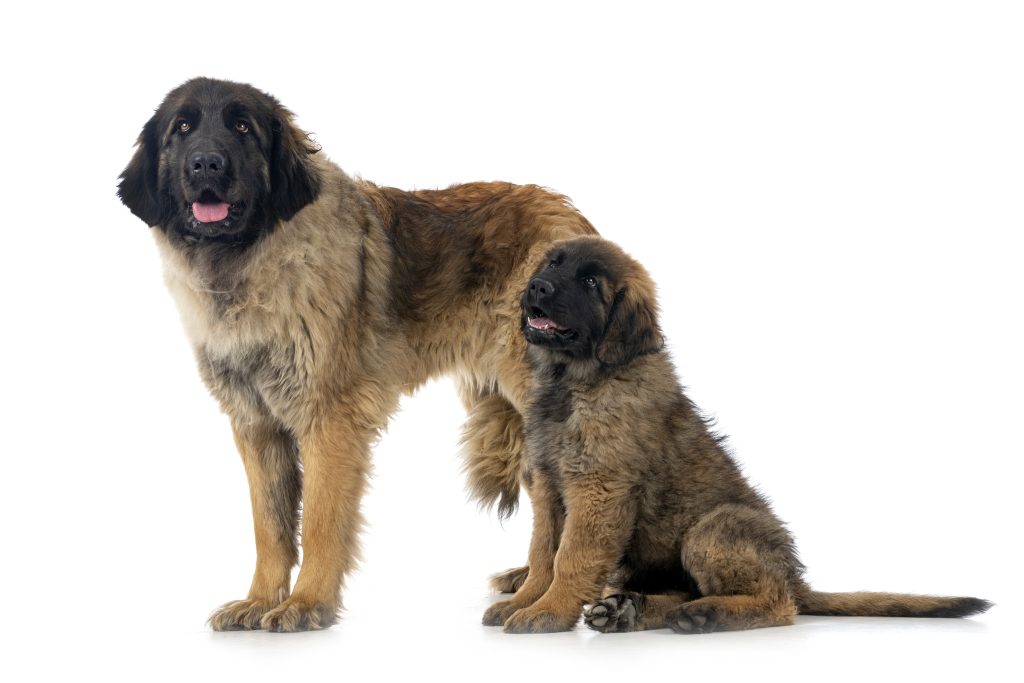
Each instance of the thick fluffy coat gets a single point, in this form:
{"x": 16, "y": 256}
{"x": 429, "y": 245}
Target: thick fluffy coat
{"x": 630, "y": 488}
{"x": 313, "y": 300}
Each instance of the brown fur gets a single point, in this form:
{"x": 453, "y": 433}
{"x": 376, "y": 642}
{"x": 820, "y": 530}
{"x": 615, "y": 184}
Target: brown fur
{"x": 308, "y": 337}
{"x": 629, "y": 487}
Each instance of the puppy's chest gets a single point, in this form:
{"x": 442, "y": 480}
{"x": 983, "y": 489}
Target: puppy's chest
{"x": 572, "y": 432}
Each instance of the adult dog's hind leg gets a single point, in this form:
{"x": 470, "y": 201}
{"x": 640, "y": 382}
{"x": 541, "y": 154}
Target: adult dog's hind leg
{"x": 271, "y": 461}
{"x": 744, "y": 565}
{"x": 492, "y": 451}
{"x": 510, "y": 580}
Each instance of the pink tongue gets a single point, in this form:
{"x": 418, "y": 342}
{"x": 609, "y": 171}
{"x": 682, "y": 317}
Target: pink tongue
{"x": 210, "y": 213}
{"x": 542, "y": 323}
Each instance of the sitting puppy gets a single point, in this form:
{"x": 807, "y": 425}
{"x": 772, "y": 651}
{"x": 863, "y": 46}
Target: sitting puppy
{"x": 629, "y": 486}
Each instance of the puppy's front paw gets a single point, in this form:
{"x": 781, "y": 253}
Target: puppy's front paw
{"x": 497, "y": 613}
{"x": 297, "y": 614}
{"x": 535, "y": 620}
{"x": 613, "y": 614}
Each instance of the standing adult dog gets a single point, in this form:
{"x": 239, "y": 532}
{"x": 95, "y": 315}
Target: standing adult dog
{"x": 313, "y": 300}
{"x": 628, "y": 486}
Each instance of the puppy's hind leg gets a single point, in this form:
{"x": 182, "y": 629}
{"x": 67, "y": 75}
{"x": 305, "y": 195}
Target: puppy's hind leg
{"x": 744, "y": 565}
{"x": 625, "y": 612}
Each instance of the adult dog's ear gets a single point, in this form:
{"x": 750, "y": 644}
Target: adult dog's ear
{"x": 138, "y": 188}
{"x": 632, "y": 328}
{"x": 294, "y": 181}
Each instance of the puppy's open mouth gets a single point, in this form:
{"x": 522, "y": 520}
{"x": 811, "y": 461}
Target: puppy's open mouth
{"x": 538, "y": 321}
{"x": 545, "y": 324}
{"x": 210, "y": 208}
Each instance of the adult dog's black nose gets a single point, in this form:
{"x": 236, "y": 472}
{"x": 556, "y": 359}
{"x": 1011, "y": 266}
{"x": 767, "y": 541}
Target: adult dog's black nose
{"x": 206, "y": 164}
{"x": 541, "y": 289}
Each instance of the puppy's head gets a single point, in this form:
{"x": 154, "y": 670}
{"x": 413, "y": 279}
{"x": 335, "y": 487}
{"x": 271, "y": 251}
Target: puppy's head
{"x": 589, "y": 299}
{"x": 219, "y": 162}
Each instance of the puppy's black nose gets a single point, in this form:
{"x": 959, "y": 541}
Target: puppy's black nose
{"x": 541, "y": 288}
{"x": 207, "y": 164}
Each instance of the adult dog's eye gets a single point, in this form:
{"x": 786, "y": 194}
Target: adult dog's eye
{"x": 184, "y": 126}
{"x": 590, "y": 281}
{"x": 241, "y": 126}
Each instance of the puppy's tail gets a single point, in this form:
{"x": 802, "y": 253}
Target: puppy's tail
{"x": 888, "y": 605}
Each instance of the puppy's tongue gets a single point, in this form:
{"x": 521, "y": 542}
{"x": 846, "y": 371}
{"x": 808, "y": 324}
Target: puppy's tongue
{"x": 543, "y": 324}
{"x": 210, "y": 212}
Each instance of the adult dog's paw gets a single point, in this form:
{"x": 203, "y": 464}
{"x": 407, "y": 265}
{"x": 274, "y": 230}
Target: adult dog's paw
{"x": 240, "y": 615}
{"x": 297, "y": 614}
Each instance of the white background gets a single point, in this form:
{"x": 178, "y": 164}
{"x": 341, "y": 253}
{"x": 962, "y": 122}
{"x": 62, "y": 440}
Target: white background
{"x": 828, "y": 194}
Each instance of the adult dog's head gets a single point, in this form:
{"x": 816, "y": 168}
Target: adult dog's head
{"x": 590, "y": 300}
{"x": 219, "y": 162}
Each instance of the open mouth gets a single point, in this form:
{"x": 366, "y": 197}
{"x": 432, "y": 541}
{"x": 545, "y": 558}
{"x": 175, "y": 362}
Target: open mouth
{"x": 210, "y": 208}
{"x": 545, "y": 324}
{"x": 537, "y": 320}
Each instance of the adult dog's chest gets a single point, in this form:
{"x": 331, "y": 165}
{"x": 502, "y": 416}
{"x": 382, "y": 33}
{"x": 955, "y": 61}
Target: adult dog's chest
{"x": 249, "y": 357}
{"x": 261, "y": 377}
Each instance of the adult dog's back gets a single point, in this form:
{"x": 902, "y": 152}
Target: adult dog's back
{"x": 313, "y": 300}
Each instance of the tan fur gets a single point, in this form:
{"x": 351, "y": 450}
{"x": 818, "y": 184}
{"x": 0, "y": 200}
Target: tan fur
{"x": 308, "y": 342}
{"x": 630, "y": 488}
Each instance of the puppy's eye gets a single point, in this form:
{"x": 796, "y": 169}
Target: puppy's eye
{"x": 590, "y": 281}
{"x": 184, "y": 126}
{"x": 242, "y": 126}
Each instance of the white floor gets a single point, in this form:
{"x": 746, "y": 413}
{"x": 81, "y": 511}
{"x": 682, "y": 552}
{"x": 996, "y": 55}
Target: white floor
{"x": 417, "y": 634}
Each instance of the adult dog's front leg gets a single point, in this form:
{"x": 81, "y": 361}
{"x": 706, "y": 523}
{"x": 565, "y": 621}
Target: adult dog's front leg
{"x": 271, "y": 460}
{"x": 336, "y": 463}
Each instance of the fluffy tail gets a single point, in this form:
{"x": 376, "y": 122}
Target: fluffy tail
{"x": 492, "y": 447}
{"x": 888, "y": 605}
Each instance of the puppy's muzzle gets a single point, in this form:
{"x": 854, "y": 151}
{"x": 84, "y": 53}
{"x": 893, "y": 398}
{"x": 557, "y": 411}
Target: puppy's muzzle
{"x": 539, "y": 291}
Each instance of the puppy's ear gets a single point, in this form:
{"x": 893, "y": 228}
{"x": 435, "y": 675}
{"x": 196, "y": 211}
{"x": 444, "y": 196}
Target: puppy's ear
{"x": 294, "y": 181}
{"x": 138, "y": 188}
{"x": 632, "y": 328}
